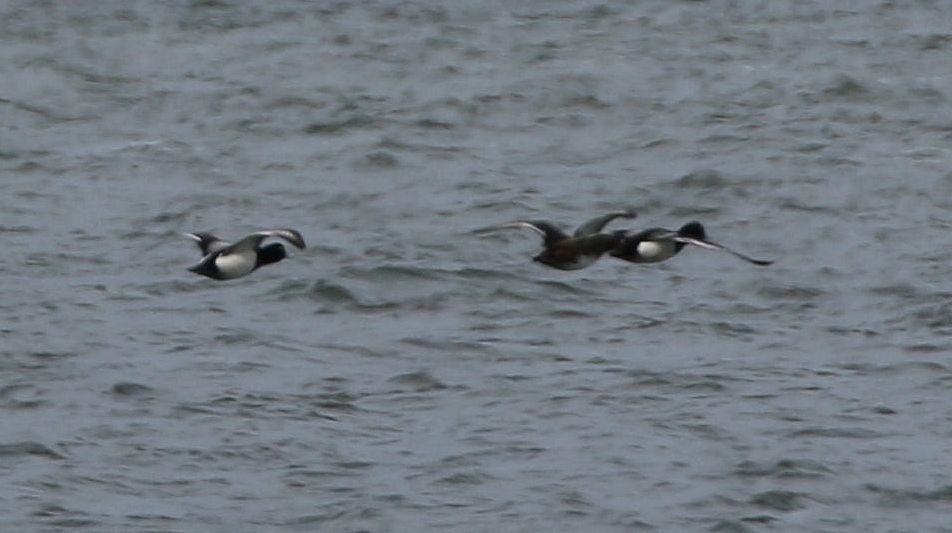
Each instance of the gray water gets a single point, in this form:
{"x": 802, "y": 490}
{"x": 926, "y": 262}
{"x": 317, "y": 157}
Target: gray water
{"x": 404, "y": 375}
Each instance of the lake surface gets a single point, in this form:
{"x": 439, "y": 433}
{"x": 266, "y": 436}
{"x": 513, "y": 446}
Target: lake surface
{"x": 402, "y": 374}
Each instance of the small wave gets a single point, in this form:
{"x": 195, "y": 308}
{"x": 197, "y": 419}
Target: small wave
{"x": 129, "y": 389}
{"x": 447, "y": 345}
{"x": 239, "y": 337}
{"x": 932, "y": 41}
{"x": 569, "y": 313}
{"x": 465, "y": 478}
{"x": 388, "y": 273}
{"x": 60, "y": 517}
{"x": 47, "y": 259}
{"x": 701, "y": 179}
{"x": 928, "y": 367}
{"x": 334, "y": 401}
{"x": 845, "y": 86}
{"x": 927, "y": 347}
{"x": 911, "y": 496}
{"x": 790, "y": 292}
{"x": 420, "y": 381}
{"x": 934, "y": 316}
{"x": 798, "y": 204}
{"x": 158, "y": 288}
{"x": 358, "y": 121}
{"x": 433, "y": 124}
{"x": 16, "y": 229}
{"x": 837, "y": 433}
{"x": 905, "y": 291}
{"x": 328, "y": 292}
{"x": 43, "y": 354}
{"x": 729, "y": 526}
{"x": 779, "y": 500}
{"x": 293, "y": 101}
{"x": 21, "y": 396}
{"x": 563, "y": 287}
{"x": 378, "y": 159}
{"x": 732, "y": 329}
{"x": 29, "y": 448}
{"x": 504, "y": 294}
{"x": 785, "y": 468}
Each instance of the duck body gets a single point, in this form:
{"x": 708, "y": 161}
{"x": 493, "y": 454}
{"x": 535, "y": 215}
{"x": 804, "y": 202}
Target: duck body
{"x": 575, "y": 252}
{"x": 223, "y": 261}
{"x": 654, "y": 245}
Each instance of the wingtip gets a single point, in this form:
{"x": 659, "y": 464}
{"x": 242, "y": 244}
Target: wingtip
{"x": 297, "y": 240}
{"x": 290, "y": 235}
{"x": 537, "y": 226}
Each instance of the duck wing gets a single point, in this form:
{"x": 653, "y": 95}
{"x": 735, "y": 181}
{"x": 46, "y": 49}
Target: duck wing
{"x": 703, "y": 243}
{"x": 251, "y": 241}
{"x": 549, "y": 233}
{"x": 596, "y": 224}
{"x": 650, "y": 234}
{"x": 207, "y": 242}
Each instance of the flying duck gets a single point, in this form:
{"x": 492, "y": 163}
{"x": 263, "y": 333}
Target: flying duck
{"x": 221, "y": 260}
{"x": 659, "y": 244}
{"x": 574, "y": 252}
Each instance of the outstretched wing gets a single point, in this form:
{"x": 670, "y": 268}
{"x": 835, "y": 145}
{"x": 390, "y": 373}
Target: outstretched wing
{"x": 714, "y": 246}
{"x": 650, "y": 234}
{"x": 596, "y": 224}
{"x": 253, "y": 240}
{"x": 207, "y": 242}
{"x": 549, "y": 233}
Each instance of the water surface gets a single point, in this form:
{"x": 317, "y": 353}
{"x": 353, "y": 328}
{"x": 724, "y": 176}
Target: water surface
{"x": 402, "y": 374}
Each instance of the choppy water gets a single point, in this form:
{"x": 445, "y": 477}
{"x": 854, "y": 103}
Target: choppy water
{"x": 402, "y": 375}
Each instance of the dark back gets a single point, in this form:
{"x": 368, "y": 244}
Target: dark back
{"x": 598, "y": 243}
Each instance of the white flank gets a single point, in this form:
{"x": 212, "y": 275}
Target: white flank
{"x": 235, "y": 265}
{"x": 656, "y": 250}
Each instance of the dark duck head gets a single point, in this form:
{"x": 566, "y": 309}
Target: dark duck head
{"x": 573, "y": 252}
{"x": 693, "y": 230}
{"x": 271, "y": 253}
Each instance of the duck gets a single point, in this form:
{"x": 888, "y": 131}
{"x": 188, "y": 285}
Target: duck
{"x": 571, "y": 252}
{"x": 224, "y": 261}
{"x": 654, "y": 245}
